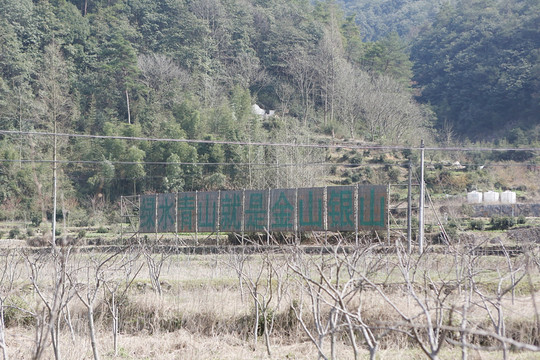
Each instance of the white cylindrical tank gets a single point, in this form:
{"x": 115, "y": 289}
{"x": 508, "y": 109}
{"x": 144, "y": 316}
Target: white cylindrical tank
{"x": 491, "y": 197}
{"x": 508, "y": 197}
{"x": 474, "y": 197}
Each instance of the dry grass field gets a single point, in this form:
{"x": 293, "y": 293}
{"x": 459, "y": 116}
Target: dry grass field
{"x": 138, "y": 304}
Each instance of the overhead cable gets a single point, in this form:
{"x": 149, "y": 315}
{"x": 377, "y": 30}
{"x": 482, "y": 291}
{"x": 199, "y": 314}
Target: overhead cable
{"x": 249, "y": 143}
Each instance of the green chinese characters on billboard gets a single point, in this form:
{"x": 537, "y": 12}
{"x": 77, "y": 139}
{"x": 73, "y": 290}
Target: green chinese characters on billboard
{"x": 311, "y": 209}
{"x": 255, "y": 210}
{"x": 340, "y": 208}
{"x": 186, "y": 212}
{"x": 207, "y": 211}
{"x": 231, "y": 207}
{"x": 335, "y": 208}
{"x": 282, "y": 210}
{"x": 372, "y": 206}
{"x": 147, "y": 214}
{"x": 166, "y": 213}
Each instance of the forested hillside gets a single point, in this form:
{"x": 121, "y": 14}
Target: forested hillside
{"x": 478, "y": 64}
{"x": 187, "y": 69}
{"x": 379, "y": 18}
{"x": 192, "y": 69}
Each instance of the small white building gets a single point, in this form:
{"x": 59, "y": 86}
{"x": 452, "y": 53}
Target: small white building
{"x": 474, "y": 197}
{"x": 491, "y": 197}
{"x": 508, "y": 197}
{"x": 256, "y": 109}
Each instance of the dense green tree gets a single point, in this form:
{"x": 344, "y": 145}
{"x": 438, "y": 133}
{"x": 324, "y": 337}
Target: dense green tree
{"x": 73, "y": 31}
{"x": 14, "y": 180}
{"x": 169, "y": 27}
{"x": 189, "y": 119}
{"x": 13, "y": 61}
{"x": 286, "y": 31}
{"x": 241, "y": 105}
{"x": 178, "y": 69}
{"x": 133, "y": 171}
{"x": 118, "y": 73}
{"x": 475, "y": 65}
{"x": 212, "y": 154}
{"x": 388, "y": 56}
{"x": 379, "y": 18}
{"x": 191, "y": 173}
{"x": 352, "y": 39}
{"x": 174, "y": 179}
{"x": 103, "y": 178}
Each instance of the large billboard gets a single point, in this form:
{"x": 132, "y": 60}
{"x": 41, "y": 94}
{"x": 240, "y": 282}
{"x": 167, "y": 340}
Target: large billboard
{"x": 333, "y": 208}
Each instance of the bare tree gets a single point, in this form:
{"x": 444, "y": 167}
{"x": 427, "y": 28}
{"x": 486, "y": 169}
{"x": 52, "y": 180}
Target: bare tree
{"x": 155, "y": 256}
{"x": 358, "y": 263}
{"x": 334, "y": 283}
{"x": 389, "y": 110}
{"x": 265, "y": 277}
{"x": 87, "y": 280}
{"x": 323, "y": 313}
{"x": 281, "y": 173}
{"x": 425, "y": 322}
{"x": 350, "y": 83}
{"x": 300, "y": 65}
{"x": 10, "y": 262}
{"x": 54, "y": 107}
{"x": 117, "y": 287}
{"x": 493, "y": 304}
{"x": 245, "y": 69}
{"x": 284, "y": 92}
{"x": 329, "y": 59}
{"x": 160, "y": 73}
{"x": 54, "y": 301}
{"x": 213, "y": 13}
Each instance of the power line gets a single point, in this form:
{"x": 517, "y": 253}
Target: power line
{"x": 195, "y": 141}
{"x": 248, "y": 143}
{"x": 267, "y": 165}
{"x": 94, "y": 162}
{"x": 479, "y": 149}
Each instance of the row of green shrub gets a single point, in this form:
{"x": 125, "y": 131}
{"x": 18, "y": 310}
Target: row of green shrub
{"x": 498, "y": 222}
{"x": 17, "y": 233}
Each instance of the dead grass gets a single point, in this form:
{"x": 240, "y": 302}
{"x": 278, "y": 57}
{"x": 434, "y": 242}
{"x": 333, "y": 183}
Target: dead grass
{"x": 203, "y": 313}
{"x": 182, "y": 344}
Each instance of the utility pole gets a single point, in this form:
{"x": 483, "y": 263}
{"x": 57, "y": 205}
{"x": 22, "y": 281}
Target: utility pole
{"x": 127, "y": 103}
{"x": 422, "y": 196}
{"x": 388, "y": 216}
{"x": 54, "y": 191}
{"x": 409, "y": 211}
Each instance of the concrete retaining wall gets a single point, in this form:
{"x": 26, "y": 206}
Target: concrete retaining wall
{"x": 529, "y": 210}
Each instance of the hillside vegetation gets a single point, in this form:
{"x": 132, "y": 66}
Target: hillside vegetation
{"x": 476, "y": 62}
{"x": 192, "y": 69}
